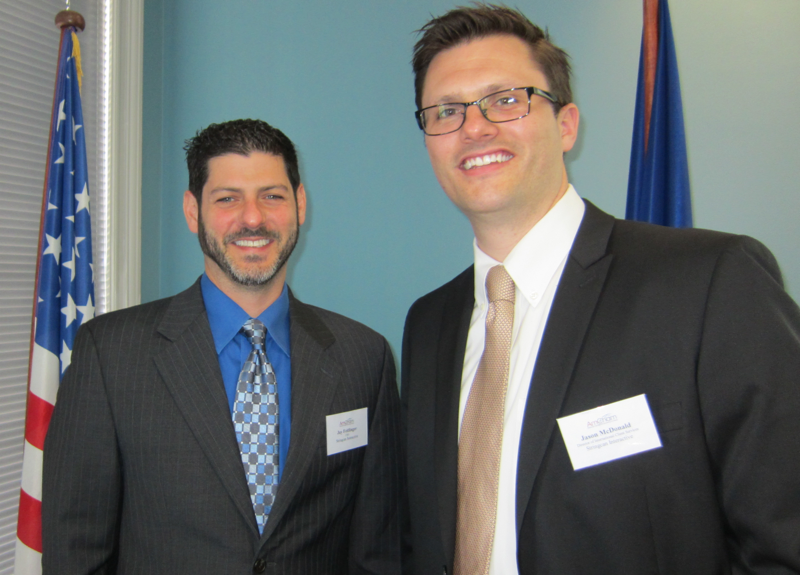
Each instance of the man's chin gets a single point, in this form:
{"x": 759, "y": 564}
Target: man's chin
{"x": 252, "y": 280}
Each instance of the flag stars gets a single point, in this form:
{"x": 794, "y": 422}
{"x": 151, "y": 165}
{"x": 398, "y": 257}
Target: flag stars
{"x": 61, "y": 159}
{"x": 71, "y": 265}
{"x": 83, "y": 199}
{"x": 61, "y": 116}
{"x": 70, "y": 310}
{"x": 75, "y": 128}
{"x": 66, "y": 229}
{"x": 50, "y": 205}
{"x": 78, "y": 241}
{"x": 86, "y": 311}
{"x": 53, "y": 247}
{"x": 65, "y": 356}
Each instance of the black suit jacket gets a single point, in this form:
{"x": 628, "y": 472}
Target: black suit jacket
{"x": 699, "y": 322}
{"x": 142, "y": 472}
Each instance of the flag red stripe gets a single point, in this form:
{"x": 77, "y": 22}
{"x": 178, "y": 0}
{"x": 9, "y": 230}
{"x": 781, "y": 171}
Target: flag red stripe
{"x": 29, "y": 528}
{"x": 37, "y": 420}
{"x": 650, "y": 51}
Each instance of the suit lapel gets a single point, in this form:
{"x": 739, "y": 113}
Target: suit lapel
{"x": 573, "y": 307}
{"x": 456, "y": 316}
{"x": 190, "y": 369}
{"x": 315, "y": 378}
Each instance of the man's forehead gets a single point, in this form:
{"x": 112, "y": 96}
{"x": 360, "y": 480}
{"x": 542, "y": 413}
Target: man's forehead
{"x": 480, "y": 66}
{"x": 238, "y": 165}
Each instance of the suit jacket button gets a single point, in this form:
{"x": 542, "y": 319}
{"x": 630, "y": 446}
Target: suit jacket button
{"x": 259, "y": 566}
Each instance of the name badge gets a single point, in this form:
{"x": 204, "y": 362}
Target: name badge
{"x": 609, "y": 432}
{"x": 346, "y": 430}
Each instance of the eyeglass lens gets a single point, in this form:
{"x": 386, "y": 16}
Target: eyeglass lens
{"x": 500, "y": 107}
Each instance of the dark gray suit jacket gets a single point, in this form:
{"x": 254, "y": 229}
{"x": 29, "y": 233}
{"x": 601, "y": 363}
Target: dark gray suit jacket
{"x": 142, "y": 472}
{"x": 699, "y": 322}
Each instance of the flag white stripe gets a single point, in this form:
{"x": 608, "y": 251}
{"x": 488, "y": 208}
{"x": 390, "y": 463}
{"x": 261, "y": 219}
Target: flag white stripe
{"x": 45, "y": 372}
{"x": 26, "y": 560}
{"x": 32, "y": 471}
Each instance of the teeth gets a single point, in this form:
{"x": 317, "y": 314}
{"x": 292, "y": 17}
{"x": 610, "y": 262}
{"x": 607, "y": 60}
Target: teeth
{"x": 252, "y": 243}
{"x": 485, "y": 160}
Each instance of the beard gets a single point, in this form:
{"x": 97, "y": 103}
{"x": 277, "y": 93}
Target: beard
{"x": 251, "y": 278}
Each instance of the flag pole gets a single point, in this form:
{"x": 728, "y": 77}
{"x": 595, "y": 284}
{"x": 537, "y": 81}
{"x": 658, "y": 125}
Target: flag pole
{"x": 650, "y": 57}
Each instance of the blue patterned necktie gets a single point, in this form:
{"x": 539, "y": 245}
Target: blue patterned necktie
{"x": 255, "y": 420}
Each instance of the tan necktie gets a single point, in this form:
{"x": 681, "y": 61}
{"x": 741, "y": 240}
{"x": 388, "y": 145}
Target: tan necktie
{"x": 482, "y": 433}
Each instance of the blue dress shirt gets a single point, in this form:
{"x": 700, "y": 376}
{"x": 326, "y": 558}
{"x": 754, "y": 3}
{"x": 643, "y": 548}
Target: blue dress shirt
{"x": 226, "y": 319}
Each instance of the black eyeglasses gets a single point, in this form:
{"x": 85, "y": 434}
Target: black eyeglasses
{"x": 499, "y": 107}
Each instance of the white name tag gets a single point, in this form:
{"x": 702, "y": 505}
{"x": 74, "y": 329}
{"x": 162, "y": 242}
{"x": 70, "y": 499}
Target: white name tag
{"x": 346, "y": 430}
{"x": 609, "y": 432}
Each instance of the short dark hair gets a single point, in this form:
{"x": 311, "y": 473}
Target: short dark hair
{"x": 237, "y": 137}
{"x": 466, "y": 23}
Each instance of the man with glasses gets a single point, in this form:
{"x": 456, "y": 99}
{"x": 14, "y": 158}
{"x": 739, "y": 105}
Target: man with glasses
{"x": 593, "y": 395}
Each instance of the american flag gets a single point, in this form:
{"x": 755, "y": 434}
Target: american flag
{"x": 64, "y": 288}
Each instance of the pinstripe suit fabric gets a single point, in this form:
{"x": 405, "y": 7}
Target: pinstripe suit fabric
{"x": 142, "y": 472}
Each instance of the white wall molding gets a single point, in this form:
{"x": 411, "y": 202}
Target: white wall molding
{"x": 125, "y": 154}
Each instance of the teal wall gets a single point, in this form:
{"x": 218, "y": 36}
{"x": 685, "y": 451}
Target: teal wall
{"x": 335, "y": 76}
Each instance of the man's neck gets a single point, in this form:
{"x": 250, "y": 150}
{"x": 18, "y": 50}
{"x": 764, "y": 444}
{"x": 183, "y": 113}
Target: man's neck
{"x": 498, "y": 241}
{"x": 252, "y": 299}
{"x": 498, "y": 234}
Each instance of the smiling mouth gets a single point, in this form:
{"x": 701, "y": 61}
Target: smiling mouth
{"x": 479, "y": 161}
{"x": 252, "y": 243}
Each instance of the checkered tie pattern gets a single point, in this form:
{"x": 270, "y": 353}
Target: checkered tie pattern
{"x": 481, "y": 437}
{"x": 255, "y": 420}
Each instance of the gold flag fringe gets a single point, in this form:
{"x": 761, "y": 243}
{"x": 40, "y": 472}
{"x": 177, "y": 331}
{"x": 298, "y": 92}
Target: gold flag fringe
{"x": 76, "y": 53}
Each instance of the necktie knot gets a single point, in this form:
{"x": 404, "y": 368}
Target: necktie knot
{"x": 256, "y": 332}
{"x": 499, "y": 285}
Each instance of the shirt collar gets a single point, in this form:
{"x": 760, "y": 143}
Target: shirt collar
{"x": 538, "y": 255}
{"x": 226, "y": 317}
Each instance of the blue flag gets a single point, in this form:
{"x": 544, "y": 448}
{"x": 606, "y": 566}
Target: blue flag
{"x": 658, "y": 182}
{"x": 64, "y": 284}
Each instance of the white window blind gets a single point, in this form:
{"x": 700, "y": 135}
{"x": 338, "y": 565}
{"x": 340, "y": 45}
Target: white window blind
{"x": 29, "y": 43}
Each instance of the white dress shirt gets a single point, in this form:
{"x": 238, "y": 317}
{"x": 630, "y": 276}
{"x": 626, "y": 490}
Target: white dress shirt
{"x": 535, "y": 264}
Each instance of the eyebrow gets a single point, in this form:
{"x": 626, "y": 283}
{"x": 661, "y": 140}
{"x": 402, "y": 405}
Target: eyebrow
{"x": 456, "y": 99}
{"x": 240, "y": 190}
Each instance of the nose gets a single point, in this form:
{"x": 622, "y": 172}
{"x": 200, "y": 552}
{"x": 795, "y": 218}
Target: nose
{"x": 476, "y": 126}
{"x": 252, "y": 215}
